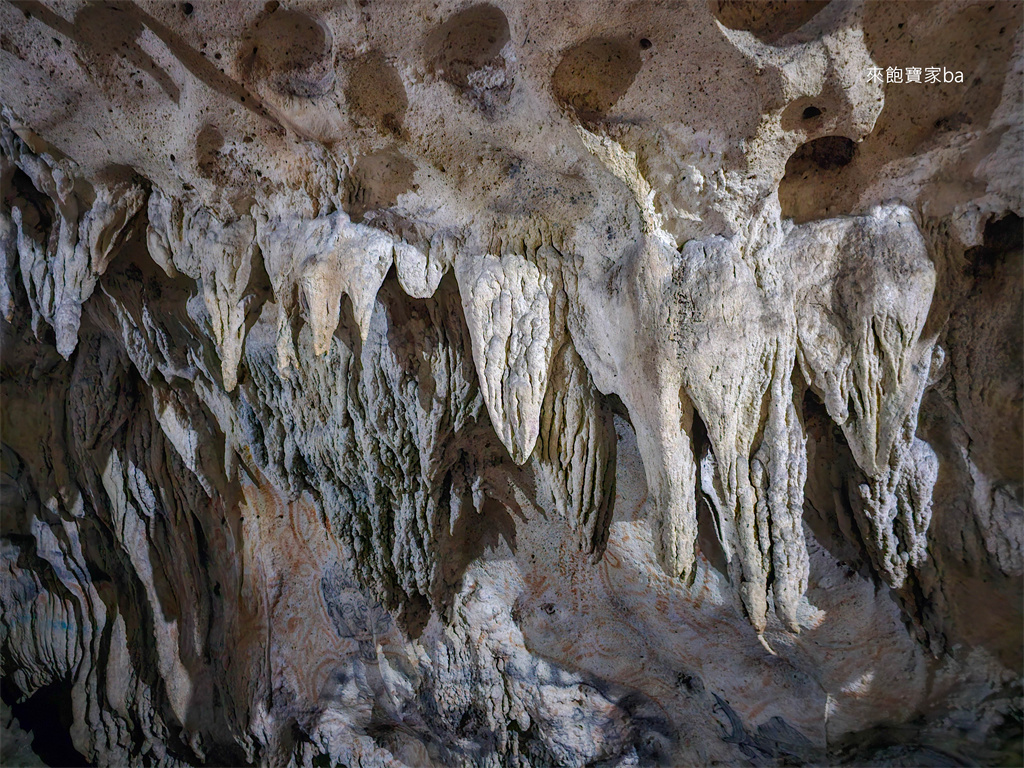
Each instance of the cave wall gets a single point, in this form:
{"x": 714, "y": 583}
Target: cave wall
{"x": 602, "y": 383}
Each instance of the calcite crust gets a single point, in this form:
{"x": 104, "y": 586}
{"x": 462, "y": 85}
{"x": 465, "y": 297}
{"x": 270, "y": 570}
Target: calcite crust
{"x": 511, "y": 384}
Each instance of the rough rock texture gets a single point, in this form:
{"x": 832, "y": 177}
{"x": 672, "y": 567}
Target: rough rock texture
{"x": 428, "y": 383}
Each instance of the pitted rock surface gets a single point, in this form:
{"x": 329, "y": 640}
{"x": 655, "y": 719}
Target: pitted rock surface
{"x": 514, "y": 383}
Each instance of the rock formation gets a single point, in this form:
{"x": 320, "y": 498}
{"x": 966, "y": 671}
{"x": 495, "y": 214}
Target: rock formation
{"x": 428, "y": 383}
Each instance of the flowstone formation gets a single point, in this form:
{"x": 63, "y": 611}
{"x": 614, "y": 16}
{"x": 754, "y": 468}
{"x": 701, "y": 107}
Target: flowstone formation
{"x": 435, "y": 383}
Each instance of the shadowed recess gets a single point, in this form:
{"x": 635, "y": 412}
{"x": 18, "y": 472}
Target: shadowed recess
{"x": 595, "y": 74}
{"x": 376, "y": 182}
{"x": 375, "y": 92}
{"x": 294, "y": 50}
{"x": 768, "y": 20}
{"x": 466, "y": 52}
{"x": 822, "y": 158}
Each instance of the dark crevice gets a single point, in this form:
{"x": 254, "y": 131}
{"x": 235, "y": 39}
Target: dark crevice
{"x": 47, "y": 715}
{"x": 1002, "y": 237}
{"x": 414, "y": 615}
{"x": 709, "y": 538}
{"x": 41, "y": 205}
{"x": 618, "y": 408}
{"x": 826, "y": 153}
{"x": 831, "y": 473}
{"x": 814, "y": 168}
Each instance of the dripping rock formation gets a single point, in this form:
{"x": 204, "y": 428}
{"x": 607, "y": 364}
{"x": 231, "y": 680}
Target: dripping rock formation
{"x": 511, "y": 384}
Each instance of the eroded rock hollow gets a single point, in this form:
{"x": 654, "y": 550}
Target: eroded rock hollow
{"x": 511, "y": 384}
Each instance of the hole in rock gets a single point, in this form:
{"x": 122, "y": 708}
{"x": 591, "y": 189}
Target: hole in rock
{"x": 813, "y": 174}
{"x": 466, "y": 52}
{"x": 46, "y": 714}
{"x": 800, "y": 116}
{"x": 38, "y": 210}
{"x": 293, "y": 50}
{"x": 708, "y": 540}
{"x": 414, "y": 615}
{"x": 375, "y": 91}
{"x": 617, "y": 407}
{"x": 595, "y": 74}
{"x": 826, "y": 506}
{"x": 645, "y": 43}
{"x": 1002, "y": 237}
{"x": 258, "y": 291}
{"x": 473, "y": 722}
{"x": 767, "y": 20}
{"x": 826, "y": 153}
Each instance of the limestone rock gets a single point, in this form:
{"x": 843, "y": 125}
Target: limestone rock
{"x": 511, "y": 384}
